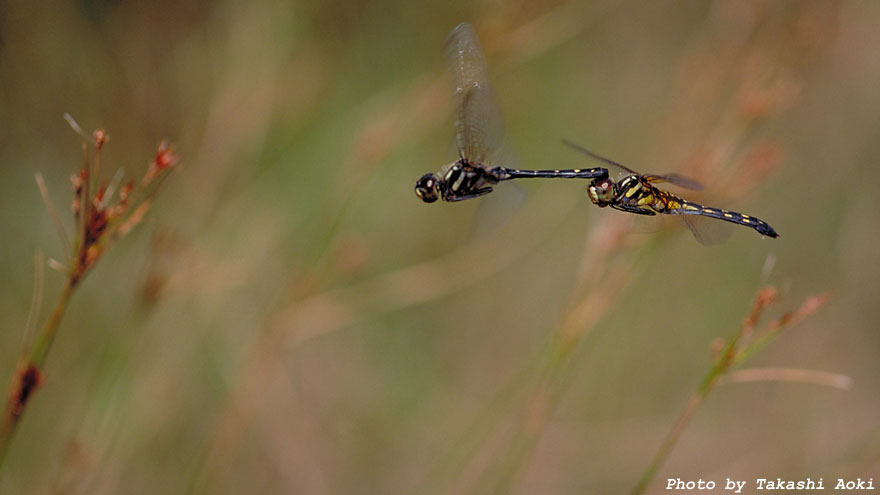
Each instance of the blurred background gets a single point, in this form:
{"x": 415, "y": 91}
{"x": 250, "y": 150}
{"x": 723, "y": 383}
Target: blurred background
{"x": 292, "y": 319}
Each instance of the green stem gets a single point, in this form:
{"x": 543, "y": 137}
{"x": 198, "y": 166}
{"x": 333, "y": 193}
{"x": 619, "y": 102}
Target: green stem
{"x": 26, "y": 378}
{"x": 47, "y": 336}
{"x": 721, "y": 366}
{"x": 669, "y": 442}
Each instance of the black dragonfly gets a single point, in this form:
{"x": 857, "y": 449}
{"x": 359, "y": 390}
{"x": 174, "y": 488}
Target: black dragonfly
{"x": 478, "y": 130}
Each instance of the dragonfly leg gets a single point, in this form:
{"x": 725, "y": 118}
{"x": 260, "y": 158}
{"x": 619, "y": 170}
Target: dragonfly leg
{"x": 476, "y": 193}
{"x": 634, "y": 209}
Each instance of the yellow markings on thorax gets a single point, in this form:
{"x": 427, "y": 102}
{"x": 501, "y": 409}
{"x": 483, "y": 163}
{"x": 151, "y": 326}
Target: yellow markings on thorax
{"x": 645, "y": 200}
{"x": 633, "y": 190}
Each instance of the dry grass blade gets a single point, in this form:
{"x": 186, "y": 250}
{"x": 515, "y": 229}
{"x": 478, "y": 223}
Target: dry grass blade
{"x": 75, "y": 126}
{"x": 56, "y": 219}
{"x": 36, "y": 300}
{"x": 816, "y": 377}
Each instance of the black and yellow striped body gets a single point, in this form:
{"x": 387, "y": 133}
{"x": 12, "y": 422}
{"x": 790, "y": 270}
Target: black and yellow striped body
{"x": 635, "y": 194}
{"x": 763, "y": 228}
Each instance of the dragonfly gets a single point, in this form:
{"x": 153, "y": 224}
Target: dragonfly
{"x": 636, "y": 193}
{"x": 478, "y": 131}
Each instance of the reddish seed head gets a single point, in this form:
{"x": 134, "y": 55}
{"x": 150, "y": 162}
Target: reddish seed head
{"x": 99, "y": 196}
{"x": 812, "y": 304}
{"x": 101, "y": 137}
{"x": 766, "y": 296}
{"x": 126, "y": 190}
{"x": 77, "y": 181}
{"x": 96, "y": 226}
{"x": 165, "y": 157}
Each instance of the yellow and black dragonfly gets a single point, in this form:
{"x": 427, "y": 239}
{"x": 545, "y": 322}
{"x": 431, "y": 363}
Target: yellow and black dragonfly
{"x": 636, "y": 193}
{"x": 478, "y": 131}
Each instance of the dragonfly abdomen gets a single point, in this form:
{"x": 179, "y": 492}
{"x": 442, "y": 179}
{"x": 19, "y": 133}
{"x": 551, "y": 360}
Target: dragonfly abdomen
{"x": 731, "y": 216}
{"x": 581, "y": 173}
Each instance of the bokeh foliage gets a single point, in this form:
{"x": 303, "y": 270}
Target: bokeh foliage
{"x": 292, "y": 319}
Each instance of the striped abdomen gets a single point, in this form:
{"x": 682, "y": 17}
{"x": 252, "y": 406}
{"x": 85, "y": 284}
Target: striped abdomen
{"x": 731, "y": 216}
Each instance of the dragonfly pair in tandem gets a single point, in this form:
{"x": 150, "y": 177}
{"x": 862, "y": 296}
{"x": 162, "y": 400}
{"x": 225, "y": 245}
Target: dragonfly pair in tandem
{"x": 478, "y": 135}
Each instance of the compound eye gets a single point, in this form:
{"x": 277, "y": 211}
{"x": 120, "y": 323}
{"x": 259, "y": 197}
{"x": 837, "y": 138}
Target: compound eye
{"x": 606, "y": 189}
{"x": 427, "y": 188}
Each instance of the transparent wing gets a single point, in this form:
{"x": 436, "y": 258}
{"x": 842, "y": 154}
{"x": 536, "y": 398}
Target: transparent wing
{"x": 707, "y": 231}
{"x": 498, "y": 209}
{"x": 678, "y": 180}
{"x": 672, "y": 178}
{"x": 599, "y": 158}
{"x": 478, "y": 124}
{"x": 643, "y": 224}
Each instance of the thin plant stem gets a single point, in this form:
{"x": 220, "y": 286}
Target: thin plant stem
{"x": 675, "y": 432}
{"x": 732, "y": 355}
{"x": 44, "y": 341}
{"x": 99, "y": 224}
{"x": 26, "y": 378}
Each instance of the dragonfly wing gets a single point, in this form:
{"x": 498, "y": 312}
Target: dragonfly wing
{"x": 678, "y": 180}
{"x": 621, "y": 168}
{"x": 497, "y": 209}
{"x": 478, "y": 123}
{"x": 706, "y": 230}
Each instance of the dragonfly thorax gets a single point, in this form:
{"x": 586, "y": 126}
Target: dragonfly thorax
{"x": 455, "y": 175}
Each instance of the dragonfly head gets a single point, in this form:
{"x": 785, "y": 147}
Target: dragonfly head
{"x": 602, "y": 191}
{"x": 428, "y": 188}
